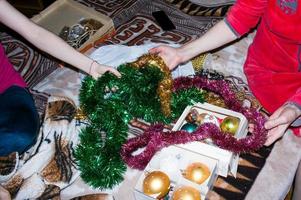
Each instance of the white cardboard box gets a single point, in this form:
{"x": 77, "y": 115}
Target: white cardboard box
{"x": 172, "y": 161}
{"x": 227, "y": 161}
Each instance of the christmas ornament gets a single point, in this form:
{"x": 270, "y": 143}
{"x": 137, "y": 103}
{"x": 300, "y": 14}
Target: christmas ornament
{"x": 165, "y": 86}
{"x": 230, "y": 124}
{"x": 110, "y": 103}
{"x": 186, "y": 193}
{"x": 156, "y": 184}
{"x": 154, "y": 139}
{"x": 200, "y": 118}
{"x": 80, "y": 32}
{"x": 211, "y": 119}
{"x": 136, "y": 92}
{"x": 197, "y": 172}
{"x": 170, "y": 166}
{"x": 189, "y": 127}
{"x": 192, "y": 116}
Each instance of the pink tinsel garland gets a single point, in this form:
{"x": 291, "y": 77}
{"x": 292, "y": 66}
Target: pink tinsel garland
{"x": 155, "y": 138}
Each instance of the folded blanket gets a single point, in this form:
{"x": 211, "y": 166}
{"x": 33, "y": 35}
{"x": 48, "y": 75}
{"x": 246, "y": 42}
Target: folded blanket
{"x": 48, "y": 168}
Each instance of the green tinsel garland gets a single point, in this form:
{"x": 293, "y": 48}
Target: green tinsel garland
{"x": 110, "y": 103}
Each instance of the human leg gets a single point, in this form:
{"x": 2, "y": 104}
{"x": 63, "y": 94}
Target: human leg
{"x": 276, "y": 177}
{"x": 19, "y": 121}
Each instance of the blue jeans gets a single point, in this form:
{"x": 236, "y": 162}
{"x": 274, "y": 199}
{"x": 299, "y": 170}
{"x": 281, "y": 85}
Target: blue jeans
{"x": 19, "y": 121}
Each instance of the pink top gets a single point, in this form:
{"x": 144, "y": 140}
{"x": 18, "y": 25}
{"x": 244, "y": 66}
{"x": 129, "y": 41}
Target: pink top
{"x": 8, "y": 75}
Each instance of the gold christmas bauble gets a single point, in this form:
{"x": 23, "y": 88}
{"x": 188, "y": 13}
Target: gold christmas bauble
{"x": 197, "y": 172}
{"x": 230, "y": 124}
{"x": 156, "y": 184}
{"x": 186, "y": 193}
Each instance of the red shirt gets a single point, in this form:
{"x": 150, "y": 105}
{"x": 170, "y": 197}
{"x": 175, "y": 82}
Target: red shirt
{"x": 8, "y": 75}
{"x": 273, "y": 62}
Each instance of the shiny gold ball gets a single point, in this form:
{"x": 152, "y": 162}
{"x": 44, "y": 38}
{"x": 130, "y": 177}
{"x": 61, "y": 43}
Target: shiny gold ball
{"x": 186, "y": 193}
{"x": 156, "y": 184}
{"x": 197, "y": 172}
{"x": 230, "y": 124}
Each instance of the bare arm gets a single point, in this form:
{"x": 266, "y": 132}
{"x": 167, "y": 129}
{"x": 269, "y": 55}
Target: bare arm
{"x": 47, "y": 41}
{"x": 217, "y": 36}
{"x": 243, "y": 16}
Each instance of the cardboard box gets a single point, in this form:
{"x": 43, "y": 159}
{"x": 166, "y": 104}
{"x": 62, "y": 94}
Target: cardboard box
{"x": 173, "y": 161}
{"x": 227, "y": 161}
{"x": 67, "y": 13}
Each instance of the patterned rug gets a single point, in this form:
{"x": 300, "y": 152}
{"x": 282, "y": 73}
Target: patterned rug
{"x": 125, "y": 11}
{"x": 32, "y": 64}
{"x": 134, "y": 26}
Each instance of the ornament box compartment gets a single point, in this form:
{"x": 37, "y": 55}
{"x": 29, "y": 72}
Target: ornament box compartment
{"x": 174, "y": 162}
{"x": 65, "y": 14}
{"x": 227, "y": 161}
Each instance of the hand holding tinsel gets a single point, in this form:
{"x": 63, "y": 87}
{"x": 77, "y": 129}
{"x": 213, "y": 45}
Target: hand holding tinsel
{"x": 171, "y": 55}
{"x": 165, "y": 86}
{"x": 96, "y": 70}
{"x": 280, "y": 120}
{"x": 155, "y": 138}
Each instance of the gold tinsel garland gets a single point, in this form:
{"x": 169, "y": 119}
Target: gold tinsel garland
{"x": 165, "y": 86}
{"x": 198, "y": 62}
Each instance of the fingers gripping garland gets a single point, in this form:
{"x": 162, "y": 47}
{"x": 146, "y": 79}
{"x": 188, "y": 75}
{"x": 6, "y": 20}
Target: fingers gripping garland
{"x": 165, "y": 85}
{"x": 155, "y": 138}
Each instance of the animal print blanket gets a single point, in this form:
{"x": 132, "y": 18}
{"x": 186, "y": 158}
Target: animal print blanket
{"x": 48, "y": 171}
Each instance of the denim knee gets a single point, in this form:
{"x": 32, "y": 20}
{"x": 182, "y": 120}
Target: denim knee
{"x": 19, "y": 121}
{"x": 16, "y": 142}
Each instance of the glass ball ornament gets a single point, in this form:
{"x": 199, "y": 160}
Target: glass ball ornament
{"x": 197, "y": 172}
{"x": 156, "y": 184}
{"x": 230, "y": 124}
{"x": 211, "y": 119}
{"x": 200, "y": 118}
{"x": 186, "y": 193}
{"x": 189, "y": 127}
{"x": 192, "y": 116}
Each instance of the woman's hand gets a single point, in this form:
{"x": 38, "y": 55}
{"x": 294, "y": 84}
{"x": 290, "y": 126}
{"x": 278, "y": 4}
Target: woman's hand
{"x": 96, "y": 70}
{"x": 280, "y": 120}
{"x": 170, "y": 55}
